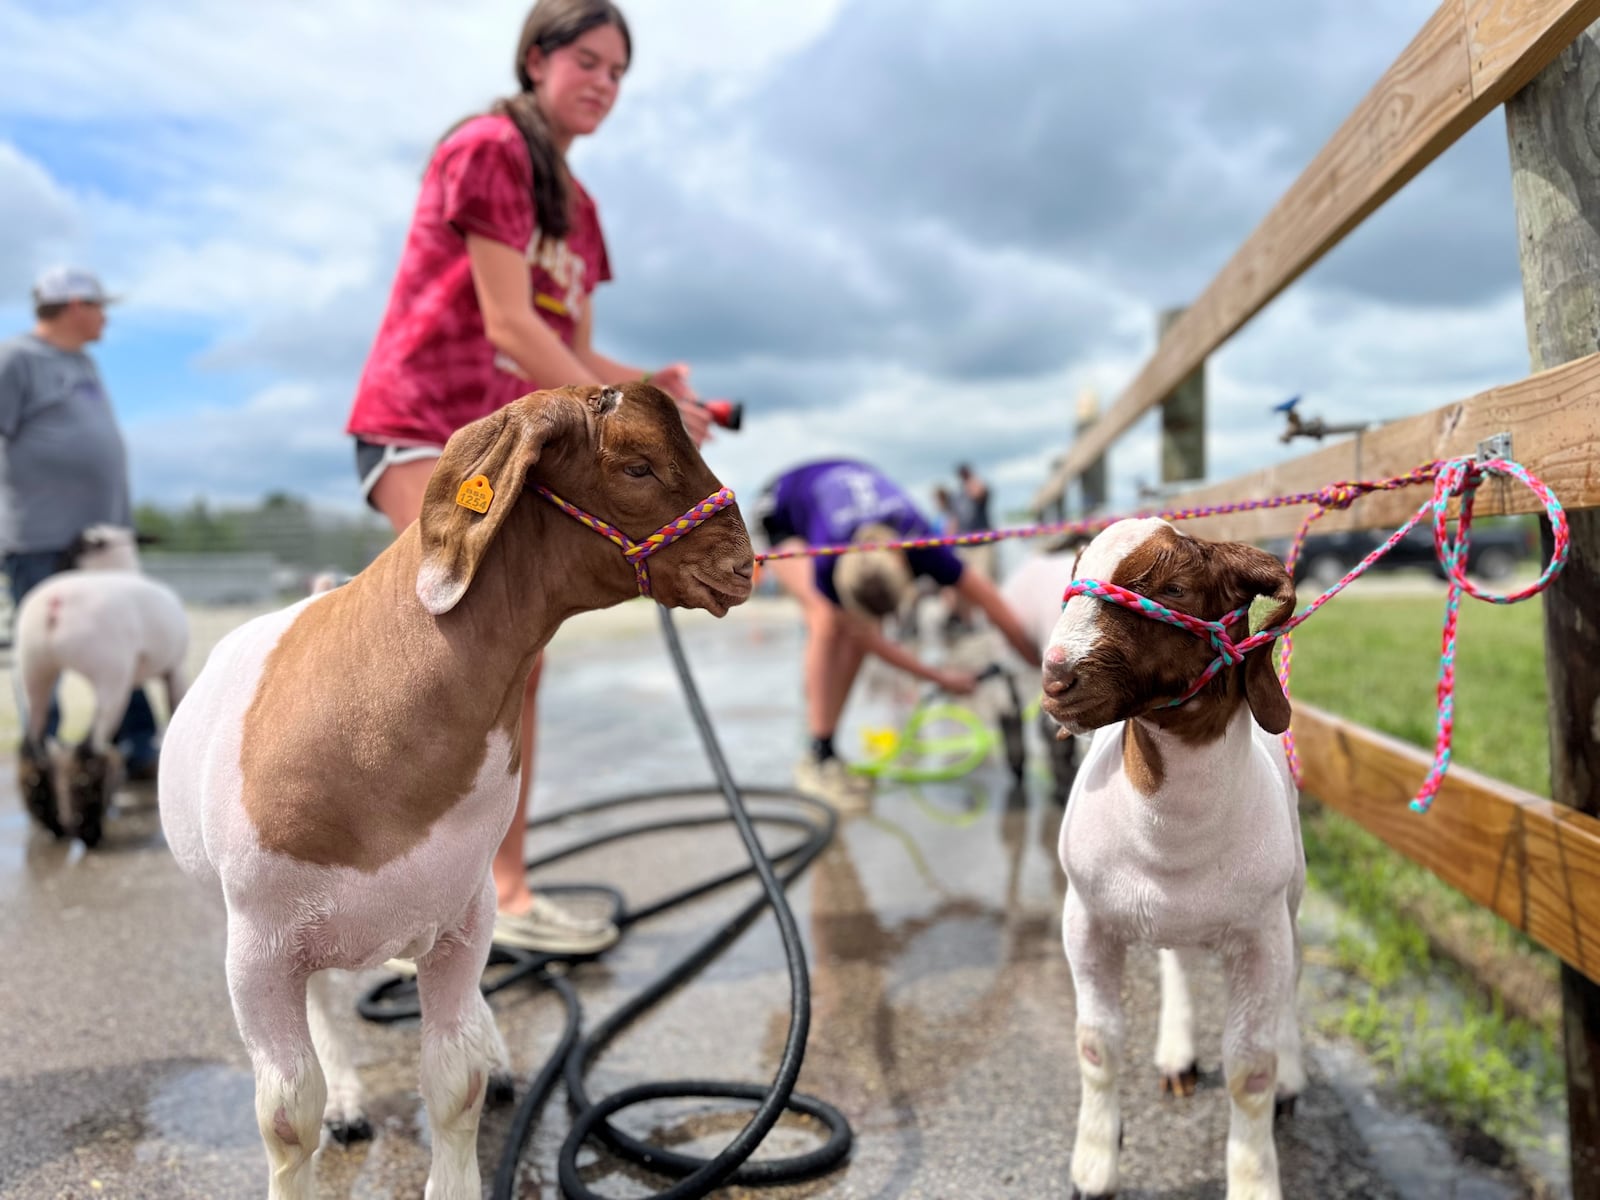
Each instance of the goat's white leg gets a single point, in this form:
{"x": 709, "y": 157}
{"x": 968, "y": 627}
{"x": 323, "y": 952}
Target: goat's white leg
{"x": 1260, "y": 969}
{"x": 269, "y": 1004}
{"x": 1291, "y": 1064}
{"x": 1096, "y": 959}
{"x": 461, "y": 1050}
{"x": 1175, "y": 1056}
{"x": 345, "y": 1113}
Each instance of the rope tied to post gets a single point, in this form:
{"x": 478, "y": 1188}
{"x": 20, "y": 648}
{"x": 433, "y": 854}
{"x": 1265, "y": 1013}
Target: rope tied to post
{"x": 1451, "y": 479}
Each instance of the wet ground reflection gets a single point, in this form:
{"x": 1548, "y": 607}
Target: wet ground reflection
{"x": 942, "y": 1007}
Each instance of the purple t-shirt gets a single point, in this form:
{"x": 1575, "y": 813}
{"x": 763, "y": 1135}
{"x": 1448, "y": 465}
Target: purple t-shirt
{"x": 826, "y": 502}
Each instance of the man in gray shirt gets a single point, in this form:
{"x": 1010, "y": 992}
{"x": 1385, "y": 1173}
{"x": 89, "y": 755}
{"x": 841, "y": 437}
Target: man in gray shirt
{"x": 65, "y": 464}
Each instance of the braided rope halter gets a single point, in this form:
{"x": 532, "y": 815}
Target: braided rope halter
{"x": 1458, "y": 477}
{"x": 637, "y": 552}
{"x": 1229, "y": 652}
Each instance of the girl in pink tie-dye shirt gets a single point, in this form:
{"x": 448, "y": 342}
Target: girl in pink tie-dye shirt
{"x": 490, "y": 301}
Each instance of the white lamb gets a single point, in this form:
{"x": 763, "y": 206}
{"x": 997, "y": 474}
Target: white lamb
{"x": 117, "y": 628}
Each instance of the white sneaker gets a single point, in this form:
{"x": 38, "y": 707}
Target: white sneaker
{"x": 831, "y": 780}
{"x": 553, "y": 929}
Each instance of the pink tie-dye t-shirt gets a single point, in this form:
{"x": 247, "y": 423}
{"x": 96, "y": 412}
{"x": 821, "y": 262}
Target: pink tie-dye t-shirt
{"x": 431, "y": 369}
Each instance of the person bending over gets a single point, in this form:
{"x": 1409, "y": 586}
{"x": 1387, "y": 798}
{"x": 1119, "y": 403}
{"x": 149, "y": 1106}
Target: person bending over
{"x": 844, "y": 598}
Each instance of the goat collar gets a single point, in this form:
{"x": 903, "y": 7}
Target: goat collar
{"x": 637, "y": 552}
{"x": 1229, "y": 652}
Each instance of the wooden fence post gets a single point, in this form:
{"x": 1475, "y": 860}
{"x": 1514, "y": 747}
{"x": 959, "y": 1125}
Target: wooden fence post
{"x": 1092, "y": 483}
{"x": 1555, "y": 163}
{"x": 1183, "y": 419}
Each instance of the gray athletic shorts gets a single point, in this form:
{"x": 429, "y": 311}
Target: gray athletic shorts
{"x": 373, "y": 459}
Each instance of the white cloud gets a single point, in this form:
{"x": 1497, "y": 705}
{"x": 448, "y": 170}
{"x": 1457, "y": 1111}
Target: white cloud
{"x": 829, "y": 208}
{"x": 37, "y": 220}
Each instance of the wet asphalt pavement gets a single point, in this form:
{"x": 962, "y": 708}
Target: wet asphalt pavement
{"x": 942, "y": 1022}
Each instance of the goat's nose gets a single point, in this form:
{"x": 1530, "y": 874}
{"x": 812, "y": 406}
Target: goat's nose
{"x": 1059, "y": 678}
{"x": 745, "y": 568}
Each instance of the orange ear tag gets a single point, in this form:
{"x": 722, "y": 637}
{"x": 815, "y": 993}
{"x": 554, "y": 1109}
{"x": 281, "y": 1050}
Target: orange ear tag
{"x": 476, "y": 494}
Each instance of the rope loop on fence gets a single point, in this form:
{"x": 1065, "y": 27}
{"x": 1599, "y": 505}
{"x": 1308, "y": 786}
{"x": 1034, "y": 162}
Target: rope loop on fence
{"x": 1456, "y": 478}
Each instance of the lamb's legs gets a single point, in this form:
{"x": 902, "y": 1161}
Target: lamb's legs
{"x": 461, "y": 1050}
{"x": 1259, "y": 969}
{"x": 1096, "y": 960}
{"x": 104, "y": 770}
{"x": 111, "y": 692}
{"x": 36, "y": 689}
{"x": 345, "y": 1113}
{"x": 269, "y": 1004}
{"x": 1175, "y": 1056}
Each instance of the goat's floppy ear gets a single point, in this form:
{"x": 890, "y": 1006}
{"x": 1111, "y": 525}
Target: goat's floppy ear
{"x": 1251, "y": 572}
{"x": 461, "y": 517}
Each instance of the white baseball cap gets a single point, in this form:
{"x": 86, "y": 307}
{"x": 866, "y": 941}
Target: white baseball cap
{"x": 59, "y": 285}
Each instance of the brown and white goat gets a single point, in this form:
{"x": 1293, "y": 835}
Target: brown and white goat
{"x": 1181, "y": 832}
{"x": 115, "y": 627}
{"x": 344, "y": 769}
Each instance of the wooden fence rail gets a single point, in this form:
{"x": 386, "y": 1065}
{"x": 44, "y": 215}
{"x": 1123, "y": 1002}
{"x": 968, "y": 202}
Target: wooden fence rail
{"x": 1532, "y": 861}
{"x": 1554, "y": 420}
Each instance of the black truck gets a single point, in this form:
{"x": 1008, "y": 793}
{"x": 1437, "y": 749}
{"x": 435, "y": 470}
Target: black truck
{"x": 1495, "y": 549}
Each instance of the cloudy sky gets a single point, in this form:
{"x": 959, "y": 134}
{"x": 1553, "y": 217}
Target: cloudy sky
{"x": 910, "y": 230}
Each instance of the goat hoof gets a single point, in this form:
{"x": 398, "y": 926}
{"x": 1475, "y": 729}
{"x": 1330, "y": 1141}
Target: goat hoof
{"x": 1183, "y": 1083}
{"x": 1077, "y": 1195}
{"x": 89, "y": 833}
{"x": 1283, "y": 1107}
{"x": 347, "y": 1130}
{"x": 502, "y": 1089}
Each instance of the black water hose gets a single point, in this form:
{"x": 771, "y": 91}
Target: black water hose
{"x": 395, "y": 999}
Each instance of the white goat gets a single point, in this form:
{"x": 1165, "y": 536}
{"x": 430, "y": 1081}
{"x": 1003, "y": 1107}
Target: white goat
{"x": 118, "y": 629}
{"x": 1181, "y": 832}
{"x": 344, "y": 769}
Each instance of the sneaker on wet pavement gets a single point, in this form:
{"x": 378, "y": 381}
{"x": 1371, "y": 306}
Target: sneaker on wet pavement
{"x": 831, "y": 780}
{"x": 552, "y": 928}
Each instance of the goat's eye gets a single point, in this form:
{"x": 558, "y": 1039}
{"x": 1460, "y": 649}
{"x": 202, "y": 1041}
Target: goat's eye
{"x": 1173, "y": 591}
{"x": 637, "y": 470}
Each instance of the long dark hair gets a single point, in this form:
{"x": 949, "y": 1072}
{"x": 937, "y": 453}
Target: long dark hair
{"x": 552, "y": 24}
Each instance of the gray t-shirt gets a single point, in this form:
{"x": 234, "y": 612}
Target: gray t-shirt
{"x": 65, "y": 464}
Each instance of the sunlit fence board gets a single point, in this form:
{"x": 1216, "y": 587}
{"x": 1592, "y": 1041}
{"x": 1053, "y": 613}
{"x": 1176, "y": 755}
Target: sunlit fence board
{"x": 1532, "y": 861}
{"x": 1554, "y": 420}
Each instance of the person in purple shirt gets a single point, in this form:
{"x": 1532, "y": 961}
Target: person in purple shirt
{"x": 845, "y": 597}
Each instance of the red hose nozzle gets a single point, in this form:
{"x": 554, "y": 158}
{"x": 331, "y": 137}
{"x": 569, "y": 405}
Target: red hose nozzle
{"x": 727, "y": 413}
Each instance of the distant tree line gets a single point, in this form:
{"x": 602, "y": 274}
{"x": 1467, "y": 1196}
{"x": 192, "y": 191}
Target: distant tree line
{"x": 282, "y": 525}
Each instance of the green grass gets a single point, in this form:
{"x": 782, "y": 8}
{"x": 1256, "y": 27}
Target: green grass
{"x": 1475, "y": 1065}
{"x": 1376, "y": 661}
